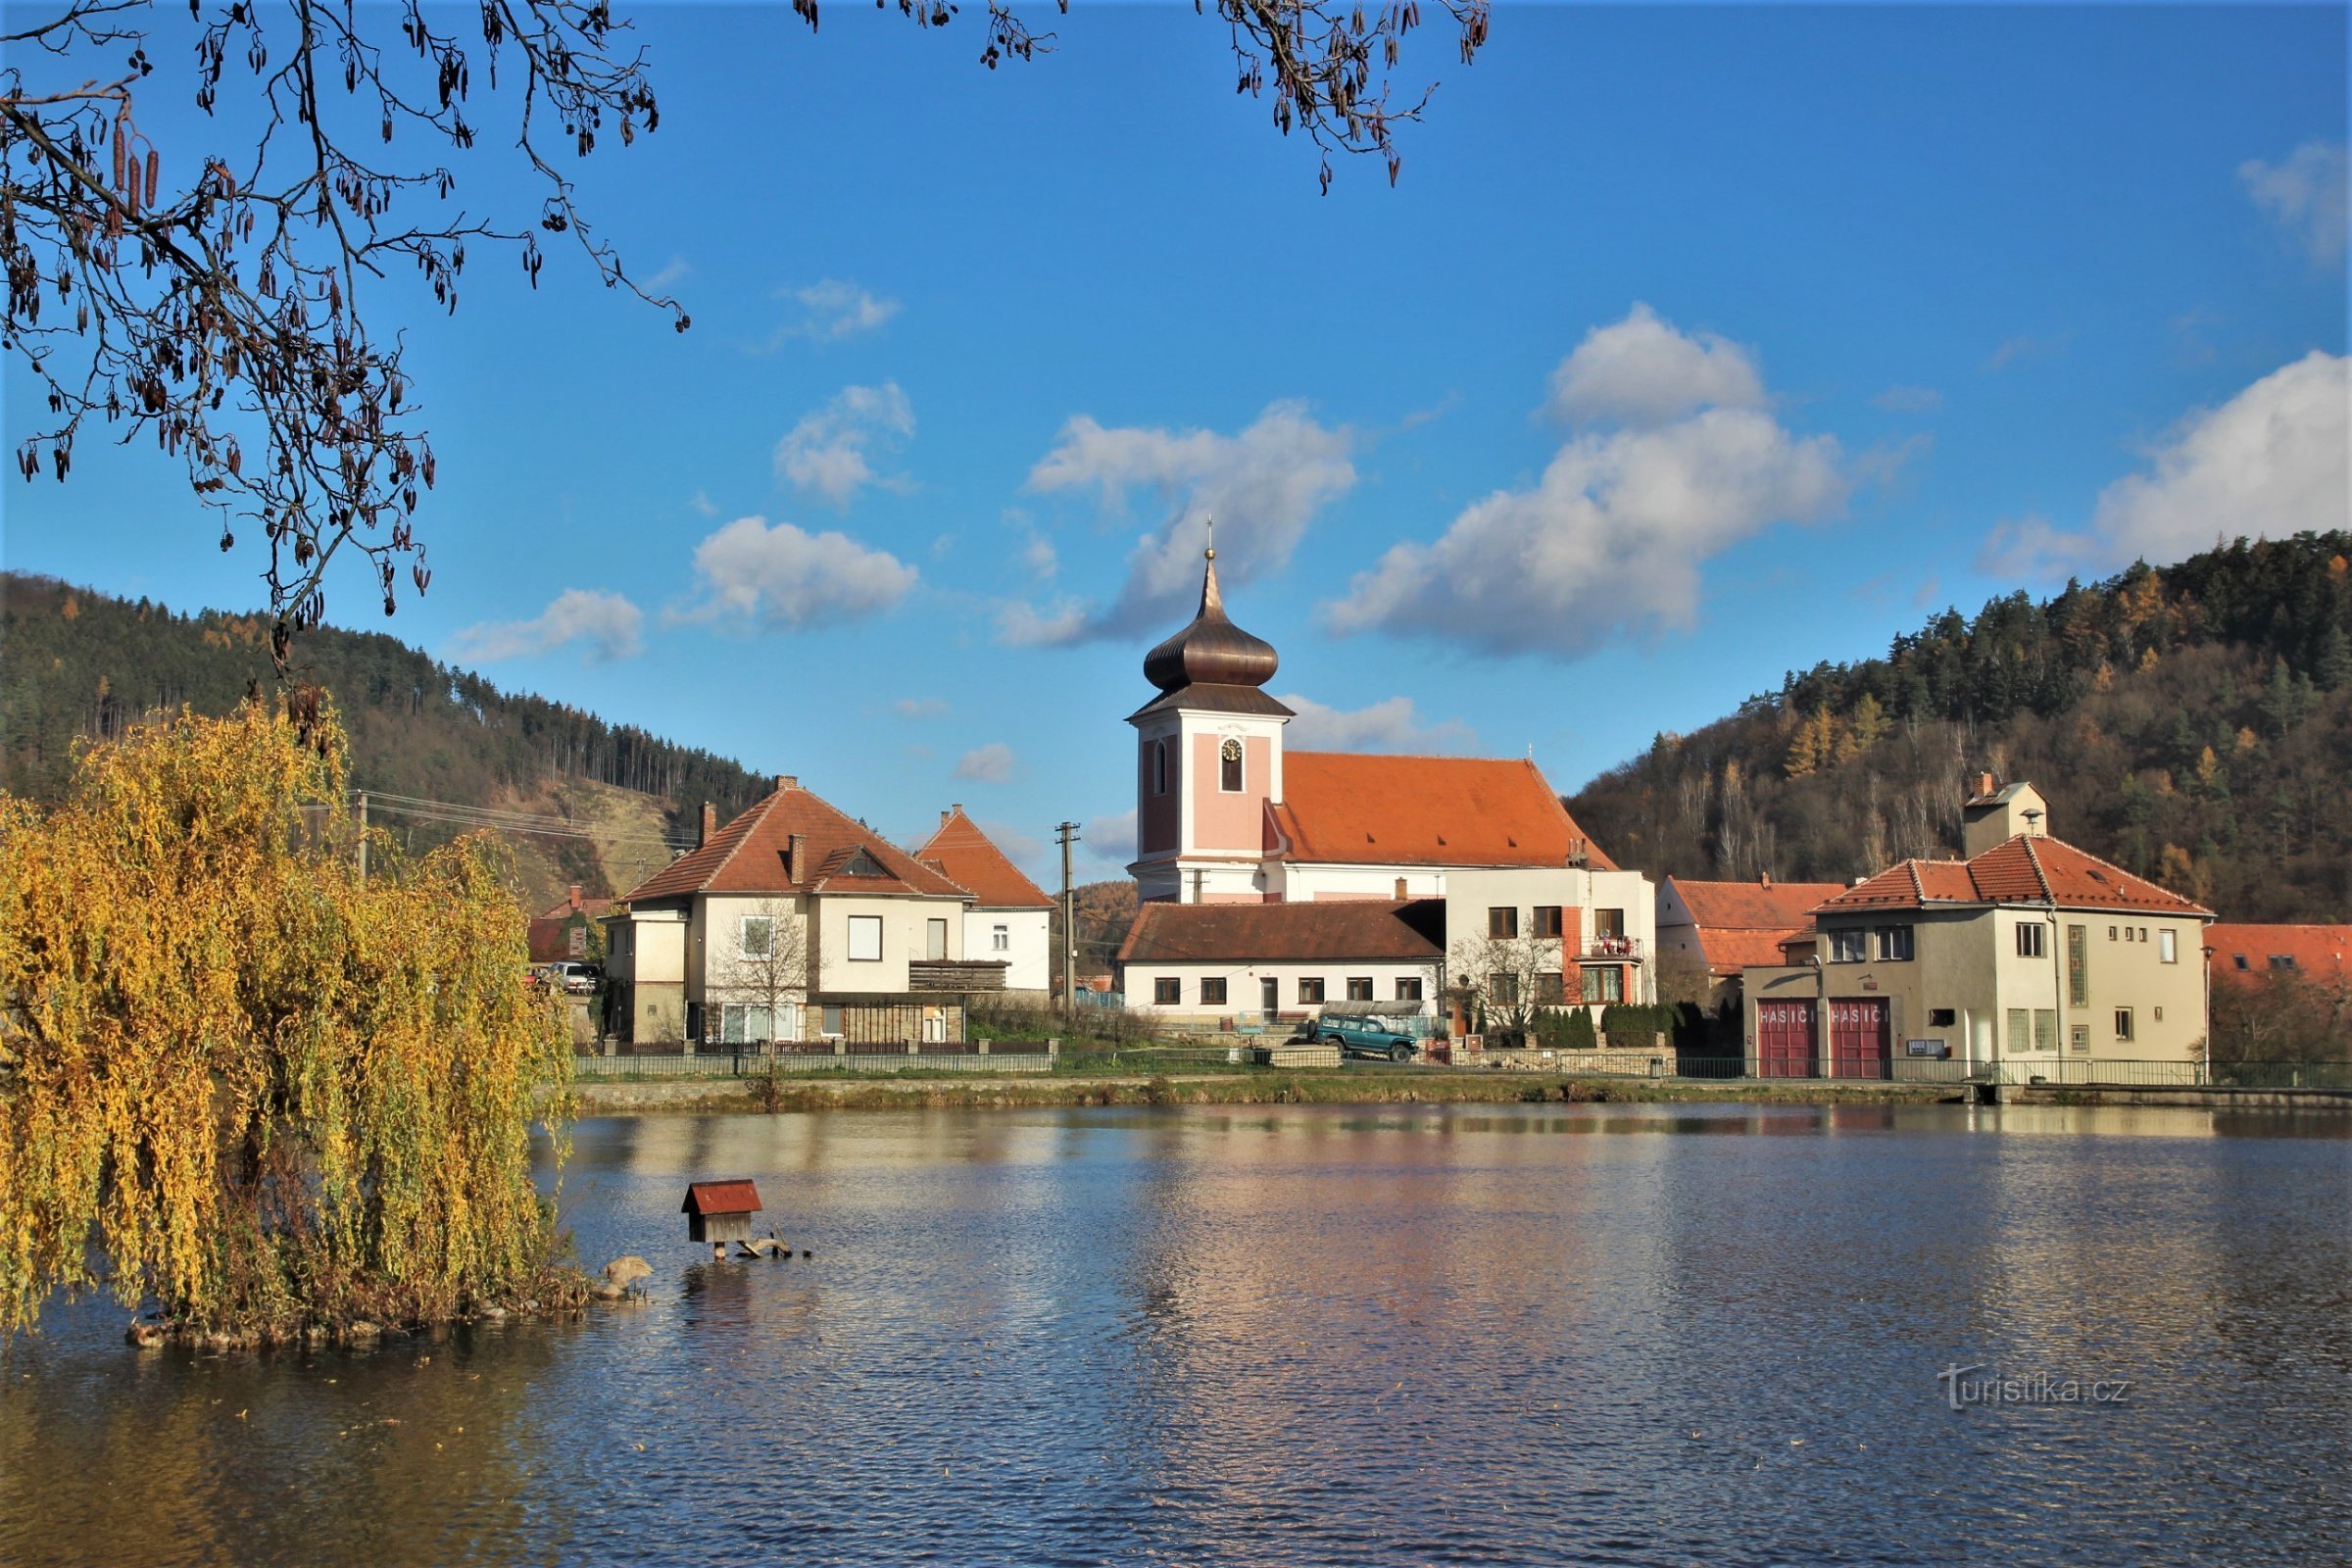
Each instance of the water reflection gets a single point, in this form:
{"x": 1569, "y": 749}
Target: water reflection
{"x": 1627, "y": 1333}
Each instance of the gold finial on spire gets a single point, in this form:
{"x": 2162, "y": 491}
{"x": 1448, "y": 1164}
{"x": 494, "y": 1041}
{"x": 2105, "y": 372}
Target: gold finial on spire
{"x": 1211, "y": 523}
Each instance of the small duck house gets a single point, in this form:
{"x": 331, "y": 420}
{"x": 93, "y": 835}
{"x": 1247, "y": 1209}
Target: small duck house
{"x": 720, "y": 1211}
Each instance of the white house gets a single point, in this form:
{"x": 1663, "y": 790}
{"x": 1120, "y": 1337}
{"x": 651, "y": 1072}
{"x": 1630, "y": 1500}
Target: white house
{"x": 794, "y": 921}
{"x": 1010, "y": 918}
{"x": 1226, "y": 815}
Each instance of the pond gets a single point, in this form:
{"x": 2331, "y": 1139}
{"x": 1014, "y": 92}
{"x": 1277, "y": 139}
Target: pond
{"x": 1657, "y": 1333}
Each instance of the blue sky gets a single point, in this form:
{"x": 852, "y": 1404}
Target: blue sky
{"x": 1693, "y": 346}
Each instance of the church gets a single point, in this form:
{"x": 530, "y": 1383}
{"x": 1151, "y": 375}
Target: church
{"x": 1275, "y": 883}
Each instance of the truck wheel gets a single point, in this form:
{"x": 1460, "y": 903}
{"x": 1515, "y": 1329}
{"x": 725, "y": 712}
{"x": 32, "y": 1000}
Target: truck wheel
{"x": 1401, "y": 1054}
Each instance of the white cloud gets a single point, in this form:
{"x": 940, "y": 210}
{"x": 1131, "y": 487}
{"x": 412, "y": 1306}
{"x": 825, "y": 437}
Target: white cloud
{"x": 1110, "y": 838}
{"x": 2269, "y": 463}
{"x": 1263, "y": 485}
{"x": 826, "y": 451}
{"x": 788, "y": 579}
{"x": 1643, "y": 371}
{"x": 676, "y": 271}
{"x": 990, "y": 764}
{"x": 1610, "y": 539}
{"x": 920, "y": 708}
{"x": 2305, "y": 196}
{"x": 608, "y": 624}
{"x": 831, "y": 309}
{"x": 703, "y": 503}
{"x": 2026, "y": 348}
{"x": 1021, "y": 624}
{"x": 1393, "y": 725}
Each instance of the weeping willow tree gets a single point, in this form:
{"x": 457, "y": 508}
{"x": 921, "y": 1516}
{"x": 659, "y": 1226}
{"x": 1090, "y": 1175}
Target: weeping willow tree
{"x": 244, "y": 1084}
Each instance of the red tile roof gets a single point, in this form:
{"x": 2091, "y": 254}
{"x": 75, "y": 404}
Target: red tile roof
{"x": 1347, "y": 809}
{"x": 747, "y": 856}
{"x": 1410, "y": 932}
{"x": 1740, "y": 924}
{"x": 2029, "y": 868}
{"x": 2243, "y": 953}
{"x": 720, "y": 1197}
{"x": 968, "y": 855}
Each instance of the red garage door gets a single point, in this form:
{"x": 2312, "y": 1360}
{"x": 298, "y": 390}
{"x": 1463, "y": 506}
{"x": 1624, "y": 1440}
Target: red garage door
{"x": 1783, "y": 1039}
{"x": 1861, "y": 1045}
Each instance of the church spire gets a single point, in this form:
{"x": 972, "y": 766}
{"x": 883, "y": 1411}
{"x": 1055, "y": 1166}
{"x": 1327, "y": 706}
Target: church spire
{"x": 1213, "y": 651}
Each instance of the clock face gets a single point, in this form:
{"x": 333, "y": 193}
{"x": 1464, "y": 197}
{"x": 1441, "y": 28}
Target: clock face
{"x": 1233, "y": 750}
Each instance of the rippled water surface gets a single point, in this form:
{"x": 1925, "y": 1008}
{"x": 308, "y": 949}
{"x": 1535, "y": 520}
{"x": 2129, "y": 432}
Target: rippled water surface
{"x": 1529, "y": 1335}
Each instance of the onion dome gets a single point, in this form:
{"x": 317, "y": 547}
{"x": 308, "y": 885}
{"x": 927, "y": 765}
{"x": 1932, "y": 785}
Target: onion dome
{"x": 1213, "y": 651}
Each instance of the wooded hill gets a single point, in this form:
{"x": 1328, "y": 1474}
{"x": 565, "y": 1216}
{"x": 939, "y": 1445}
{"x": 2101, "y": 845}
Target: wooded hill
{"x": 78, "y": 665}
{"x": 2192, "y": 724}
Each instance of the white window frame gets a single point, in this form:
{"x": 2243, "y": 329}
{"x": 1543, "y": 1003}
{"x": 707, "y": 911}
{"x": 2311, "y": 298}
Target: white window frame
{"x": 999, "y": 939}
{"x": 766, "y": 948}
{"x": 1850, "y": 944}
{"x": 2167, "y": 945}
{"x": 870, "y": 927}
{"x": 2030, "y": 941}
{"x": 1886, "y": 940}
{"x": 2125, "y": 1026}
{"x": 935, "y": 935}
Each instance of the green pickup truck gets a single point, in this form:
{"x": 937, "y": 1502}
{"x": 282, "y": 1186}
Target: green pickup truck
{"x": 1363, "y": 1035}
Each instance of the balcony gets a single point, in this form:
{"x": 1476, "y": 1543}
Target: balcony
{"x": 955, "y": 974}
{"x": 1610, "y": 950}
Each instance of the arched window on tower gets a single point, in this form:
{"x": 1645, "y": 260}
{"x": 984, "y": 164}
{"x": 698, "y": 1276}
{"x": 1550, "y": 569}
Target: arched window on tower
{"x": 1159, "y": 767}
{"x": 1229, "y": 762}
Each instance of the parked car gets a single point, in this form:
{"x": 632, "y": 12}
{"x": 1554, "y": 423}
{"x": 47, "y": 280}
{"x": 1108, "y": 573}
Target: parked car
{"x": 1362, "y": 1036}
{"x": 576, "y": 978}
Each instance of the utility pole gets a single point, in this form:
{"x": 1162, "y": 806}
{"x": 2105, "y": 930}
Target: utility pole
{"x": 1067, "y": 834}
{"x": 363, "y": 835}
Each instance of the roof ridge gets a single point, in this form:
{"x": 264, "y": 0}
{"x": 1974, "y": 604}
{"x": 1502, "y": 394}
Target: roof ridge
{"x": 1918, "y": 886}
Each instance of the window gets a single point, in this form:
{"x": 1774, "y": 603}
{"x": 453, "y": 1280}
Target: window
{"x": 1359, "y": 988}
{"x": 1609, "y": 924}
{"x": 2123, "y": 1023}
{"x": 2127, "y": 935}
{"x": 2168, "y": 946}
{"x": 1849, "y": 947}
{"x": 1167, "y": 991}
{"x": 2282, "y": 961}
{"x": 863, "y": 863}
{"x": 1895, "y": 943}
{"x": 1269, "y": 996}
{"x": 2045, "y": 1029}
{"x": 1551, "y": 987}
{"x": 2021, "y": 1030}
{"x": 866, "y": 939}
{"x": 1409, "y": 989}
{"x": 999, "y": 939}
{"x": 1943, "y": 1017}
{"x": 832, "y": 1020}
{"x": 935, "y": 939}
{"x": 755, "y": 936}
{"x": 2239, "y": 959}
{"x": 1502, "y": 923}
{"x": 744, "y": 1025}
{"x": 1503, "y": 990}
{"x": 2029, "y": 940}
{"x": 1212, "y": 991}
{"x": 1159, "y": 767}
{"x": 2079, "y": 1036}
{"x": 2078, "y": 967}
{"x": 1229, "y": 767}
{"x": 2111, "y": 930}
{"x": 1548, "y": 920}
{"x": 1311, "y": 992}
{"x": 1604, "y": 984}
{"x": 2143, "y": 933}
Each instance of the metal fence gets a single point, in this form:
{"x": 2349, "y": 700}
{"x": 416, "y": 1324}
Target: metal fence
{"x": 800, "y": 1059}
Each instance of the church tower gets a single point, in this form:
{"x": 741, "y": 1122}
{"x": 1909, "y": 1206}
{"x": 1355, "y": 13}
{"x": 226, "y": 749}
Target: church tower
{"x": 1208, "y": 758}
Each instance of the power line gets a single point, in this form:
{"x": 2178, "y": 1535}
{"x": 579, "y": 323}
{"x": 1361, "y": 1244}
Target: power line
{"x": 461, "y": 814}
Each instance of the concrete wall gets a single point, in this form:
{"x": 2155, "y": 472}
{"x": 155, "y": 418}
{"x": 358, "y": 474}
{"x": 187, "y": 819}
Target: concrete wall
{"x": 1029, "y": 958}
{"x": 1243, "y": 985}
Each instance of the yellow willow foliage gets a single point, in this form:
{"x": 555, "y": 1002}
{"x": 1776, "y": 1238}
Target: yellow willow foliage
{"x": 273, "y": 1095}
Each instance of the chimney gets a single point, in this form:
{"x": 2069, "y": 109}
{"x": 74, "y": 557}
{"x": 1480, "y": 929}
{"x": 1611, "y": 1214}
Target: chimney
{"x": 796, "y": 859}
{"x": 709, "y": 824}
{"x": 948, "y": 815}
{"x": 1983, "y": 785}
{"x": 787, "y": 781}
{"x": 576, "y": 898}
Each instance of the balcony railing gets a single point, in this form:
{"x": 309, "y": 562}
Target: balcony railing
{"x": 1606, "y": 949}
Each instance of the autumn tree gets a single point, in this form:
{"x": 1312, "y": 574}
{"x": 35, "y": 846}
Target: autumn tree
{"x": 230, "y": 309}
{"x": 239, "y": 1081}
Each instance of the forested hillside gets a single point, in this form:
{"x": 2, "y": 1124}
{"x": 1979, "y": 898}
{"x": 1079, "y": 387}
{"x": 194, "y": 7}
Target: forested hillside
{"x": 2192, "y": 724}
{"x": 78, "y": 665}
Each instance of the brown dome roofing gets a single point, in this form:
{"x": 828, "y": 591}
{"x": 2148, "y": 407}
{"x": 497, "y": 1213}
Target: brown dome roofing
{"x": 1213, "y": 651}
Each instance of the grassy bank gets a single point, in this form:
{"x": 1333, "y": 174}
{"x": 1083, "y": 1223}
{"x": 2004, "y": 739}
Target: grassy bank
{"x": 1346, "y": 1087}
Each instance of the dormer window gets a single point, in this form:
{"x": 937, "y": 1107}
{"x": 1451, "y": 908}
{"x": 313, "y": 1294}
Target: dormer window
{"x": 863, "y": 863}
{"x": 1229, "y": 765}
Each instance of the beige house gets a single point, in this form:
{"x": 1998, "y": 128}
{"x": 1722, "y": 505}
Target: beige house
{"x": 2030, "y": 958}
{"x": 793, "y": 922}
